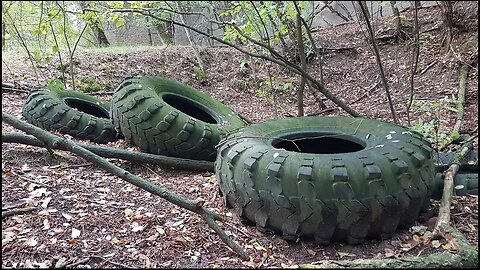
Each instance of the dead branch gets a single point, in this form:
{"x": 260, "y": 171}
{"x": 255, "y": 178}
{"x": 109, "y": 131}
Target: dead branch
{"x": 459, "y": 105}
{"x": 461, "y": 97}
{"x": 109, "y": 152}
{"x": 425, "y": 69}
{"x": 17, "y": 211}
{"x": 195, "y": 206}
{"x": 448, "y": 186}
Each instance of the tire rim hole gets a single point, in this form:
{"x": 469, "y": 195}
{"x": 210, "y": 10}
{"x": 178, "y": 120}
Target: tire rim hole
{"x": 319, "y": 143}
{"x": 190, "y": 108}
{"x": 87, "y": 107}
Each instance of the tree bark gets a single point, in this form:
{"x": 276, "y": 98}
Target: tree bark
{"x": 109, "y": 152}
{"x": 398, "y": 21}
{"x": 362, "y": 10}
{"x": 448, "y": 24}
{"x": 191, "y": 41}
{"x": 97, "y": 30}
{"x": 459, "y": 105}
{"x": 415, "y": 55}
{"x": 195, "y": 206}
{"x": 303, "y": 62}
{"x": 448, "y": 186}
{"x": 461, "y": 97}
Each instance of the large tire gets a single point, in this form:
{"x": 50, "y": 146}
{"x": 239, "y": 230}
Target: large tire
{"x": 80, "y": 115}
{"x": 344, "y": 179}
{"x": 168, "y": 118}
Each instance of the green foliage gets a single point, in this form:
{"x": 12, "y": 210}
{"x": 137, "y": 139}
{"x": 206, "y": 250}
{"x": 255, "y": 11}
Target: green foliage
{"x": 199, "y": 73}
{"x": 432, "y": 121}
{"x": 55, "y": 84}
{"x": 252, "y": 18}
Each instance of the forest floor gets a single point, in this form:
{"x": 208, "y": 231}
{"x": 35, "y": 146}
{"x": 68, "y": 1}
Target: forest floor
{"x": 90, "y": 218}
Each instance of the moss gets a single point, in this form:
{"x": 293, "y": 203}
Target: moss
{"x": 89, "y": 84}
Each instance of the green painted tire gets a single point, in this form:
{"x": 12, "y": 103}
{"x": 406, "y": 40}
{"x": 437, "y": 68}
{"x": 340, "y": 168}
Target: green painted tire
{"x": 344, "y": 179}
{"x": 169, "y": 118}
{"x": 77, "y": 114}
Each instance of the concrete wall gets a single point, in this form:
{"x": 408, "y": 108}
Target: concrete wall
{"x": 136, "y": 32}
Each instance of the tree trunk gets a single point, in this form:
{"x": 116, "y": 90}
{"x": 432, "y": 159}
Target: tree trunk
{"x": 4, "y": 32}
{"x": 447, "y": 23}
{"x": 192, "y": 42}
{"x": 100, "y": 34}
{"x": 303, "y": 62}
{"x": 166, "y": 32}
{"x": 96, "y": 27}
{"x": 398, "y": 21}
{"x": 359, "y": 6}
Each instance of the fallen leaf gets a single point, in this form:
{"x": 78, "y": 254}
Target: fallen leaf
{"x": 389, "y": 253}
{"x": 257, "y": 260}
{"x": 152, "y": 237}
{"x": 416, "y": 238}
{"x": 447, "y": 246}
{"x": 160, "y": 230}
{"x": 75, "y": 233}
{"x": 45, "y": 202}
{"x": 435, "y": 243}
{"x": 138, "y": 228}
{"x": 67, "y": 216}
{"x": 61, "y": 262}
{"x": 25, "y": 168}
{"x": 31, "y": 242}
{"x": 46, "y": 224}
{"x": 128, "y": 212}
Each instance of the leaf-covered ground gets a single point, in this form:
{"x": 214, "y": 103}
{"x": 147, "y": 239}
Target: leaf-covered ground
{"x": 87, "y": 217}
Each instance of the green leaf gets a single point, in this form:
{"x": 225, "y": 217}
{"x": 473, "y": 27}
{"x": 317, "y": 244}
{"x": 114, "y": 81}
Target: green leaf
{"x": 455, "y": 135}
{"x": 55, "y": 84}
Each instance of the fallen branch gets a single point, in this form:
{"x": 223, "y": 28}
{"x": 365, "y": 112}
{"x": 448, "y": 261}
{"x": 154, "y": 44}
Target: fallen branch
{"x": 425, "y": 69}
{"x": 109, "y": 152}
{"x": 461, "y": 97}
{"x": 195, "y": 206}
{"x": 445, "y": 203}
{"x": 459, "y": 105}
{"x": 466, "y": 259}
{"x": 17, "y": 211}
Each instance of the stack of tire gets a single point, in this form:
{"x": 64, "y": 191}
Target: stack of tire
{"x": 327, "y": 178}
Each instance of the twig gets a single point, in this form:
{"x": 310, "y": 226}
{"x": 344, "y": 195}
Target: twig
{"x": 30, "y": 180}
{"x": 84, "y": 260}
{"x": 14, "y": 90}
{"x": 321, "y": 112}
{"x": 367, "y": 91}
{"x": 425, "y": 69}
{"x": 111, "y": 262}
{"x": 17, "y": 211}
